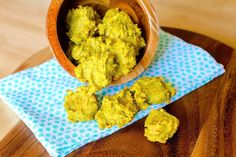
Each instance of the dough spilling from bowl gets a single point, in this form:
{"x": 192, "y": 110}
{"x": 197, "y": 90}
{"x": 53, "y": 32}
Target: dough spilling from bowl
{"x": 104, "y": 49}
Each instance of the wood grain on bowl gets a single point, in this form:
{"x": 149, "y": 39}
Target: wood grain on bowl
{"x": 140, "y": 11}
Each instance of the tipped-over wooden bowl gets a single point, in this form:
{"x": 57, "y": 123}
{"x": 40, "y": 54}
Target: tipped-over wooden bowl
{"x": 141, "y": 12}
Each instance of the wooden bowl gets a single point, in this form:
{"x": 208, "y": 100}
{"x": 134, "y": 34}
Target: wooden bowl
{"x": 141, "y": 12}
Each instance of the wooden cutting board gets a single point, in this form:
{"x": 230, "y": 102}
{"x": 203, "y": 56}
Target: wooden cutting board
{"x": 207, "y": 126}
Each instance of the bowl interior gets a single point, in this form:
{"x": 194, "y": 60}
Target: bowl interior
{"x": 132, "y": 7}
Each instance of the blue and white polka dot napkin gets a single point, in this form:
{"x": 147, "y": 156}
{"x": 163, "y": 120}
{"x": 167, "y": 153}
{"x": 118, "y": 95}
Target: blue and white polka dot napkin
{"x": 36, "y": 95}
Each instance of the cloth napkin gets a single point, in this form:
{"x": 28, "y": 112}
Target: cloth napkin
{"x": 36, "y": 95}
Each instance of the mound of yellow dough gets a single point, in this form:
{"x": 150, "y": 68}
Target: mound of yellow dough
{"x": 125, "y": 57}
{"x": 117, "y": 25}
{"x": 160, "y": 126}
{"x": 152, "y": 90}
{"x": 82, "y": 23}
{"x": 80, "y": 105}
{"x": 118, "y": 109}
{"x": 97, "y": 70}
{"x": 91, "y": 47}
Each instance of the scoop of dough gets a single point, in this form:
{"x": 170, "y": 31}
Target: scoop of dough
{"x": 160, "y": 126}
{"x": 118, "y": 25}
{"x": 82, "y": 23}
{"x": 125, "y": 57}
{"x": 118, "y": 109}
{"x": 80, "y": 105}
{"x": 92, "y": 46}
{"x": 148, "y": 90}
{"x": 97, "y": 70}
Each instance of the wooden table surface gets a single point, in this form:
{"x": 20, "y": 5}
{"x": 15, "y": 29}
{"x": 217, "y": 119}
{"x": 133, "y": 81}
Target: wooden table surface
{"x": 207, "y": 126}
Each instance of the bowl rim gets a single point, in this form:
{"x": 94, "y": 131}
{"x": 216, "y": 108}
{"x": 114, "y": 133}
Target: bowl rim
{"x": 52, "y": 35}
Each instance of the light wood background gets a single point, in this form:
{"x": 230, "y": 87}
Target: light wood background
{"x": 22, "y": 31}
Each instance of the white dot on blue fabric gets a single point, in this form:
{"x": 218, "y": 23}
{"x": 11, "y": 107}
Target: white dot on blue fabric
{"x": 37, "y": 94}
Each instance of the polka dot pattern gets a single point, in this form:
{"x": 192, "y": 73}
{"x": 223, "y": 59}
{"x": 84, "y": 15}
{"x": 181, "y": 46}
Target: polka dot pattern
{"x": 36, "y": 95}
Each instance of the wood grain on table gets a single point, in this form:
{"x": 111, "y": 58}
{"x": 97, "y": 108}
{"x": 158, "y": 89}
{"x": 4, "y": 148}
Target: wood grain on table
{"x": 207, "y": 125}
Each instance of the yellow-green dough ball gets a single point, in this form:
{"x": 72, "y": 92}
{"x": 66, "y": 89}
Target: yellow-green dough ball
{"x": 160, "y": 126}
{"x": 118, "y": 109}
{"x": 118, "y": 25}
{"x": 152, "y": 90}
{"x": 82, "y": 23}
{"x": 80, "y": 105}
{"x": 97, "y": 70}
